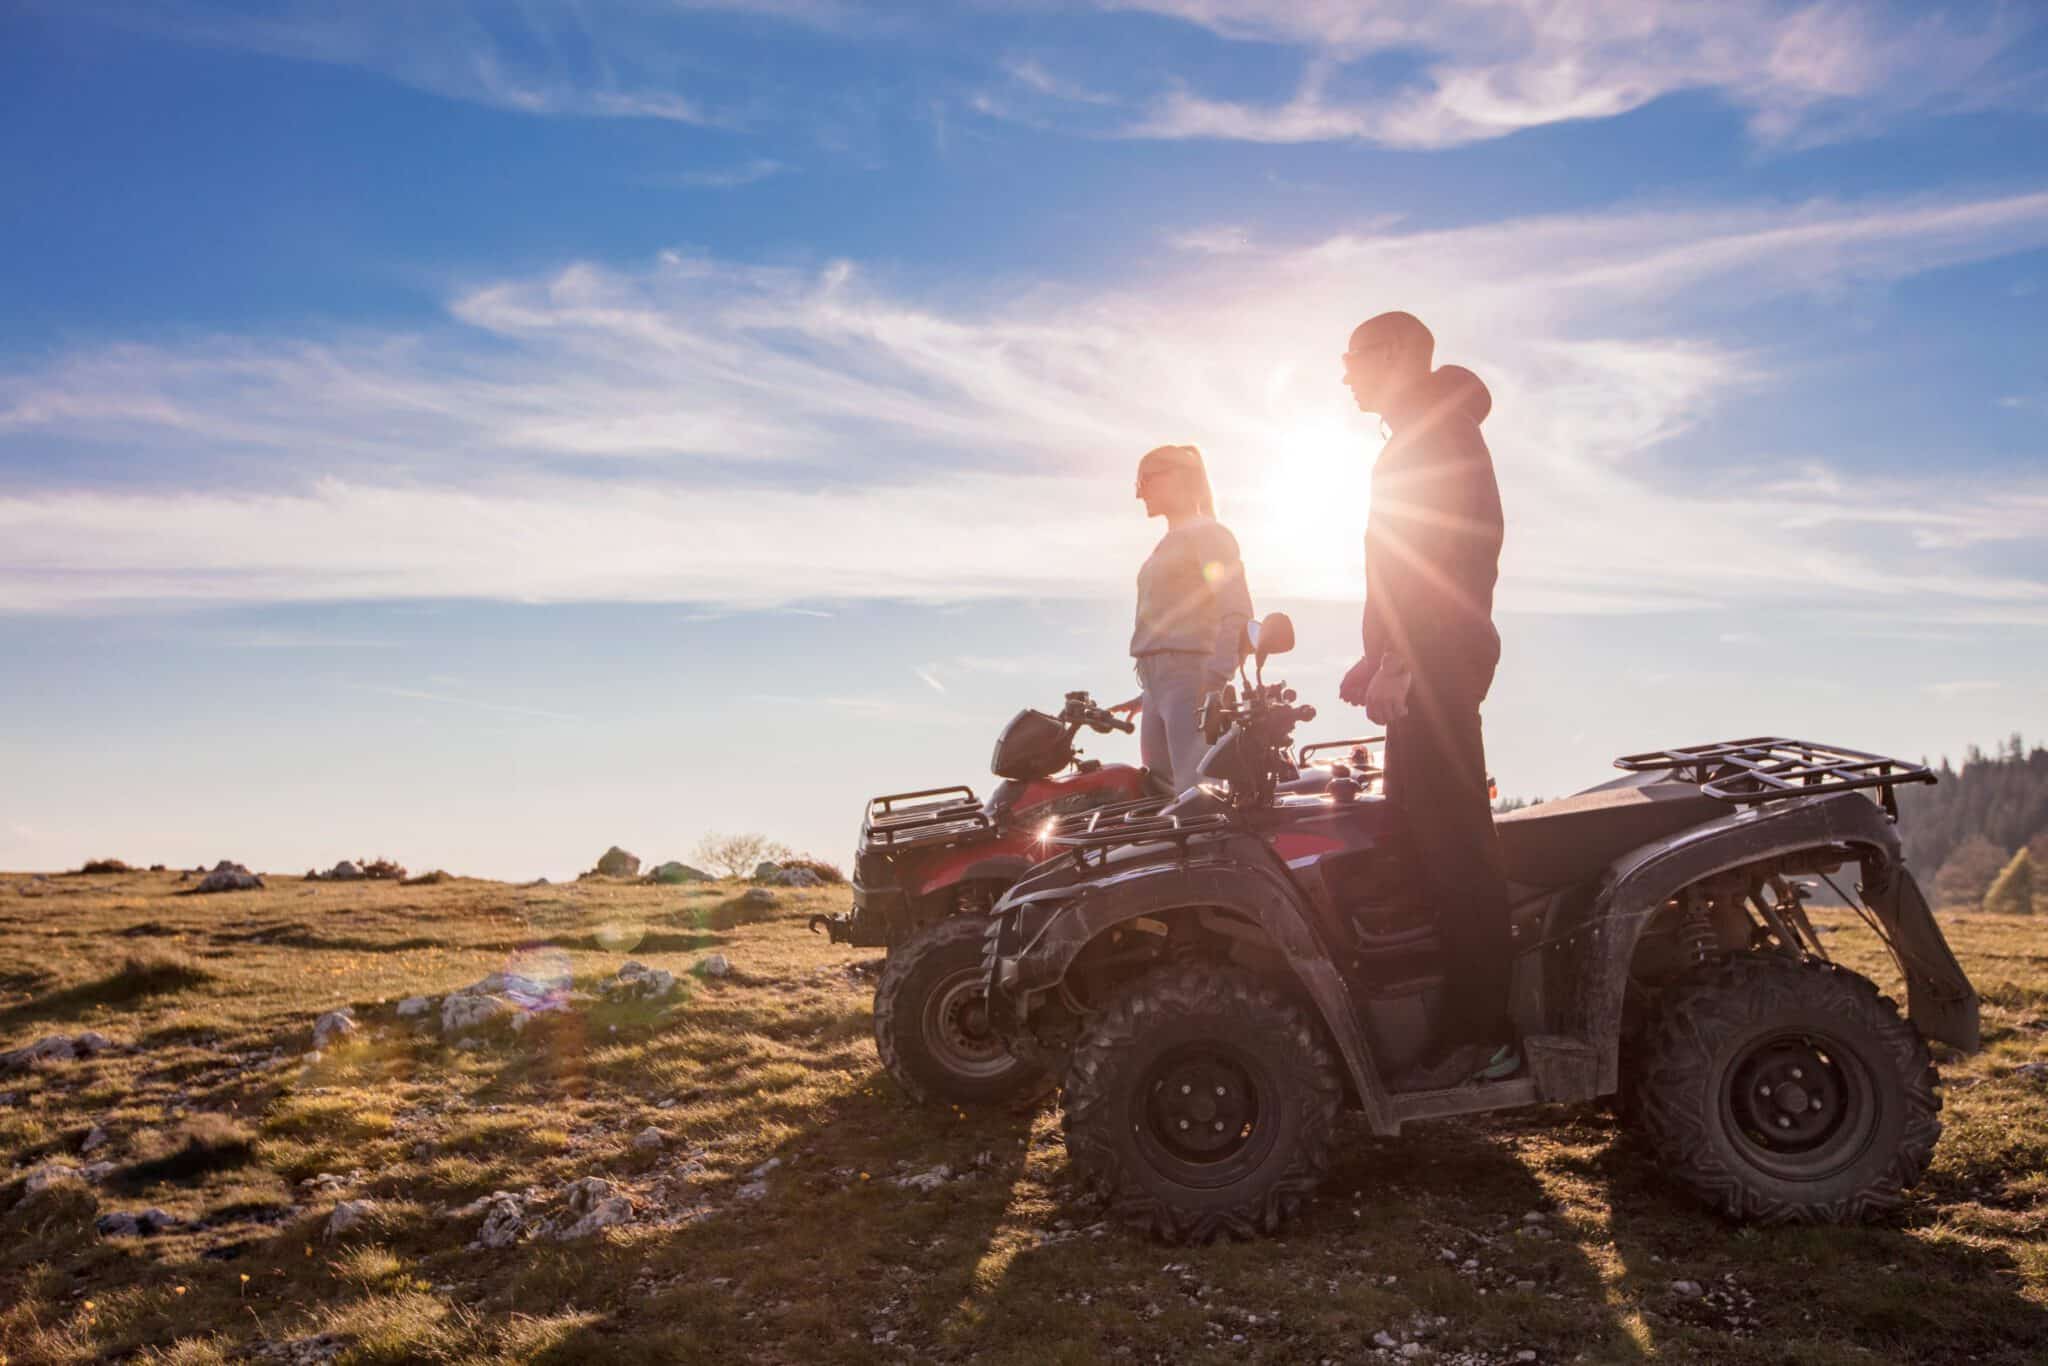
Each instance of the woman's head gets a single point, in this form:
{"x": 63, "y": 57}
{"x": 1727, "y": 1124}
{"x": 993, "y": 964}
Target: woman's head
{"x": 1173, "y": 482}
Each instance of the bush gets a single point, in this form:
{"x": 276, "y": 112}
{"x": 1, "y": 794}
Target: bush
{"x": 105, "y": 865}
{"x": 825, "y": 872}
{"x": 2012, "y": 892}
{"x": 737, "y": 855}
{"x": 1968, "y": 873}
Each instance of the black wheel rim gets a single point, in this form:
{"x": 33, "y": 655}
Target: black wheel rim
{"x": 1800, "y": 1106}
{"x": 1204, "y": 1114}
{"x": 956, "y": 1028}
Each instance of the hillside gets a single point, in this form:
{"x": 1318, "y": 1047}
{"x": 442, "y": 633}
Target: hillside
{"x": 1959, "y": 832}
{"x": 719, "y": 1170}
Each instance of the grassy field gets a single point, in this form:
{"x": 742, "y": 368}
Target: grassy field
{"x": 1546, "y": 1234}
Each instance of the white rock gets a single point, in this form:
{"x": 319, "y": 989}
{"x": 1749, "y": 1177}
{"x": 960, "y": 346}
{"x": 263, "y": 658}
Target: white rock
{"x": 348, "y": 1215}
{"x": 1384, "y": 1339}
{"x": 1411, "y": 1349}
{"x": 463, "y": 1012}
{"x": 716, "y": 965}
{"x": 1526, "y": 1354}
{"x": 798, "y": 877}
{"x": 48, "y": 1175}
{"x": 753, "y": 1190}
{"x": 649, "y": 1139}
{"x": 926, "y": 1181}
{"x": 770, "y": 1165}
{"x": 413, "y": 1006}
{"x": 333, "y": 1027}
{"x": 471, "y": 1044}
{"x": 1689, "y": 1289}
{"x": 2038, "y": 1071}
{"x": 604, "y": 1214}
{"x": 766, "y": 869}
{"x": 504, "y": 1220}
{"x": 96, "y": 1139}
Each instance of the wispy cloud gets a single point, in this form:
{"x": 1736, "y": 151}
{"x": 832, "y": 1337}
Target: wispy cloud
{"x": 474, "y": 704}
{"x": 445, "y": 463}
{"x": 928, "y": 678}
{"x": 1485, "y": 68}
{"x": 721, "y": 178}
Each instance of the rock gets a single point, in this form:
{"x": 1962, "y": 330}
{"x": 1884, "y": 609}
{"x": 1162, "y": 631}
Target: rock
{"x": 470, "y": 1044}
{"x": 1526, "y": 1354}
{"x": 96, "y": 1138}
{"x": 122, "y": 1224}
{"x": 926, "y": 1181}
{"x": 597, "y": 1204}
{"x": 637, "y": 979}
{"x": 1687, "y": 1289}
{"x": 347, "y": 1216}
{"x": 1411, "y": 1349}
{"x": 649, "y": 1139}
{"x": 317, "y": 1350}
{"x": 463, "y": 1012}
{"x": 345, "y": 871}
{"x": 757, "y": 896}
{"x": 671, "y": 873}
{"x": 1384, "y": 1339}
{"x": 413, "y": 1006}
{"x": 333, "y": 1027}
{"x": 504, "y": 1220}
{"x": 1534, "y": 1216}
{"x": 715, "y": 965}
{"x": 229, "y": 877}
{"x": 753, "y": 1190}
{"x": 772, "y": 1164}
{"x": 50, "y": 1174}
{"x": 766, "y": 869}
{"x": 54, "y": 1048}
{"x": 616, "y": 862}
{"x": 798, "y": 877}
{"x": 2037, "y": 1071}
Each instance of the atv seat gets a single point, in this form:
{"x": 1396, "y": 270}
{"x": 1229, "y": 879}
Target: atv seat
{"x": 1569, "y": 840}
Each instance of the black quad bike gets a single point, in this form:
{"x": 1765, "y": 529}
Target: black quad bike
{"x": 1214, "y": 975}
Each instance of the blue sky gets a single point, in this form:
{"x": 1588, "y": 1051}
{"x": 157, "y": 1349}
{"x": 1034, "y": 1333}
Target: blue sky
{"x": 483, "y": 433}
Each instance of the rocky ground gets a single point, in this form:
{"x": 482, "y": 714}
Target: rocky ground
{"x": 365, "y": 1121}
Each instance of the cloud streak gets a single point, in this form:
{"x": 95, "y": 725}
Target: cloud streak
{"x": 735, "y": 436}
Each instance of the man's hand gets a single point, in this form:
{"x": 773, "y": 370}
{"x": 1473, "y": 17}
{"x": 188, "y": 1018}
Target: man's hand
{"x": 1356, "y": 681}
{"x": 1386, "y": 699}
{"x": 1130, "y": 709}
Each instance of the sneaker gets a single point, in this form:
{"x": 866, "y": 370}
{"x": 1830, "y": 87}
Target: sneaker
{"x": 1505, "y": 1062}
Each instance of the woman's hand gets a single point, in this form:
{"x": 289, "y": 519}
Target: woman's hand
{"x": 1129, "y": 709}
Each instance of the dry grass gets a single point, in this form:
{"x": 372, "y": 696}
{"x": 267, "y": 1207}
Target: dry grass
{"x": 836, "y": 1263}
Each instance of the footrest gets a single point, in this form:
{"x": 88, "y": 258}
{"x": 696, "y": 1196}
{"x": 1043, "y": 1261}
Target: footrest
{"x": 1564, "y": 1068}
{"x": 1465, "y": 1100}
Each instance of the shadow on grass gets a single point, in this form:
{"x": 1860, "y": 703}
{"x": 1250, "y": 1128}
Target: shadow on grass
{"x": 136, "y": 979}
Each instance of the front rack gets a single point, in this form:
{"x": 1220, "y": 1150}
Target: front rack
{"x": 1138, "y": 822}
{"x": 1301, "y": 758}
{"x": 1772, "y": 768}
{"x": 933, "y": 816}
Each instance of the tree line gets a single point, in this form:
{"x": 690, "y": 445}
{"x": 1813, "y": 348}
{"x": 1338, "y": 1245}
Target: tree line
{"x": 1982, "y": 830}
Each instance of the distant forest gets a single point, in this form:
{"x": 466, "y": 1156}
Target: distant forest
{"x": 1982, "y": 828}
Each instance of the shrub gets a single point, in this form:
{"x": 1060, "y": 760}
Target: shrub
{"x": 737, "y": 855}
{"x": 2012, "y": 891}
{"x": 105, "y": 865}
{"x": 825, "y": 872}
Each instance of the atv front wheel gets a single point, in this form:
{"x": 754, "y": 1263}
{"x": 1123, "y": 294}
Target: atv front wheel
{"x": 931, "y": 1022}
{"x": 1786, "y": 1091}
{"x": 1202, "y": 1102}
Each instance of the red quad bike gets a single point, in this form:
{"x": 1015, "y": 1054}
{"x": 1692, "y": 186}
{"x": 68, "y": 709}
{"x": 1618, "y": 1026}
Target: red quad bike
{"x": 929, "y": 866}
{"x": 1215, "y": 975}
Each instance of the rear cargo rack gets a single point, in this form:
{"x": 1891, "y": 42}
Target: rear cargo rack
{"x": 936, "y": 815}
{"x": 1138, "y": 822}
{"x": 1772, "y": 768}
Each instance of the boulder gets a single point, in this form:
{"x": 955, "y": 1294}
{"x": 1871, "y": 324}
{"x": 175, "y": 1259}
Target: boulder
{"x": 413, "y": 1006}
{"x": 637, "y": 979}
{"x": 50, "y": 1174}
{"x": 757, "y": 896}
{"x": 504, "y": 1219}
{"x": 649, "y": 1139}
{"x": 616, "y": 862}
{"x": 671, "y": 873}
{"x": 464, "y": 1011}
{"x": 333, "y": 1027}
{"x": 96, "y": 1138}
{"x": 229, "y": 877}
{"x": 797, "y": 877}
{"x": 344, "y": 871}
{"x": 54, "y": 1048}
{"x": 715, "y": 965}
{"x": 125, "y": 1224}
{"x": 347, "y": 1216}
{"x": 766, "y": 869}
{"x": 597, "y": 1204}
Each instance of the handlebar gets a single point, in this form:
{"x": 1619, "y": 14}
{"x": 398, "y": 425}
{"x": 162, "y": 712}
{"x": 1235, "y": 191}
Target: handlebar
{"x": 1082, "y": 711}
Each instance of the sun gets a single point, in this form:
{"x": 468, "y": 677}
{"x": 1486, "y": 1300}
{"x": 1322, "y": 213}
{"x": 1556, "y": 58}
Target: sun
{"x": 1305, "y": 520}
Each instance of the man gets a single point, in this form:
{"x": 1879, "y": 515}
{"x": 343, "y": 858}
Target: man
{"x": 1432, "y": 553}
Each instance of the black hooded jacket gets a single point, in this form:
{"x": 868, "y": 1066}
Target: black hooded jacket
{"x": 1432, "y": 543}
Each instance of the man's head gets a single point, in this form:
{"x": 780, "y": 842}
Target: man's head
{"x": 1389, "y": 356}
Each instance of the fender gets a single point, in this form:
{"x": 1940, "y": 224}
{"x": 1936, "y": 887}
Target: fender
{"x": 978, "y": 865}
{"x": 1238, "y": 877}
{"x": 1638, "y": 884}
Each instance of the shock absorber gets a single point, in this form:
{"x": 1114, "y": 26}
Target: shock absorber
{"x": 1697, "y": 941}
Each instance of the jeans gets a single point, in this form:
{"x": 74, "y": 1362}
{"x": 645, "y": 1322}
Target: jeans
{"x": 1173, "y": 683}
{"x": 1436, "y": 782}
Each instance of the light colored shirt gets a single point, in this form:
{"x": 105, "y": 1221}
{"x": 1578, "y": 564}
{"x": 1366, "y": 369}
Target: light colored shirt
{"x": 1192, "y": 596}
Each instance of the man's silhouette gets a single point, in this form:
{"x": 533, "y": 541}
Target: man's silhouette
{"x": 1432, "y": 553}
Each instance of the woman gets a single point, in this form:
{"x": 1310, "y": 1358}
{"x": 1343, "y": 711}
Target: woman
{"x": 1192, "y": 607}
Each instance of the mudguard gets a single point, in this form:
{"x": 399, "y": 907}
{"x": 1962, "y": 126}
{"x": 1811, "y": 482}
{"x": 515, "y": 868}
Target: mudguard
{"x": 1587, "y": 971}
{"x": 977, "y": 866}
{"x": 1238, "y": 877}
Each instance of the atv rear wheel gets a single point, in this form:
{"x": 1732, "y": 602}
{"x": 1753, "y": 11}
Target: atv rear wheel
{"x": 931, "y": 1022}
{"x": 1788, "y": 1091}
{"x": 1200, "y": 1102}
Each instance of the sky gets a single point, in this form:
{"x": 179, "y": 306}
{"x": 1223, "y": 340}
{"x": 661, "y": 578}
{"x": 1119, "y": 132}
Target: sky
{"x": 480, "y": 434}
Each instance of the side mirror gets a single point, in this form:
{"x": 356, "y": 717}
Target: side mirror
{"x": 1264, "y": 639}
